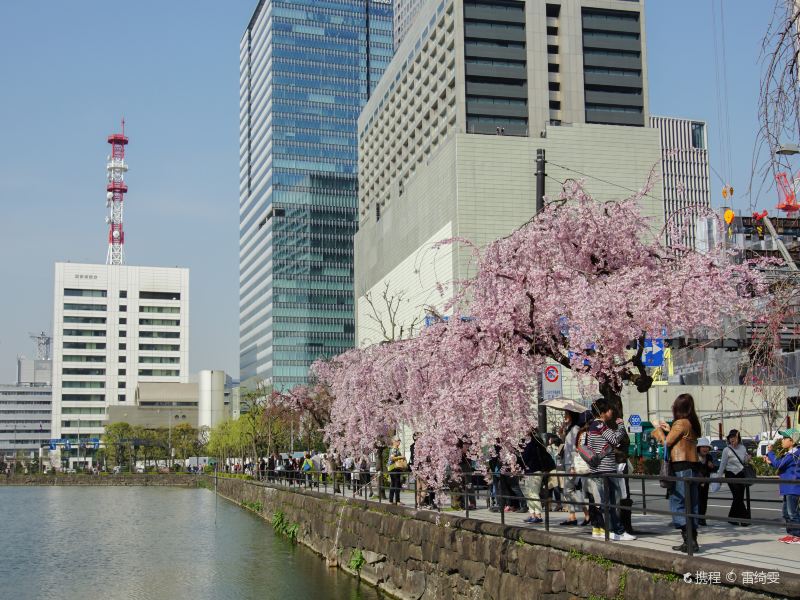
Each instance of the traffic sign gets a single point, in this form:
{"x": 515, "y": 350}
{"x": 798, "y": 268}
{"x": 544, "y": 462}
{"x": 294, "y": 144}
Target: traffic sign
{"x": 653, "y": 352}
{"x": 635, "y": 424}
{"x": 551, "y": 382}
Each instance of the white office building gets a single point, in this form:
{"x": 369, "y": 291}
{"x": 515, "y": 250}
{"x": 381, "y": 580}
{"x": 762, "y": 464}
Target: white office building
{"x": 403, "y": 17}
{"x": 25, "y": 411}
{"x": 114, "y": 326}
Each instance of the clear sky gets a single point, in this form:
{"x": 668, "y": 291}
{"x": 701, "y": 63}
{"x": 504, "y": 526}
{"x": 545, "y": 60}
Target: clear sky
{"x": 70, "y": 70}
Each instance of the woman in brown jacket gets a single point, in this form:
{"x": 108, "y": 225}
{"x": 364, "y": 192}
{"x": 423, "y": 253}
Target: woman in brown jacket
{"x": 681, "y": 440}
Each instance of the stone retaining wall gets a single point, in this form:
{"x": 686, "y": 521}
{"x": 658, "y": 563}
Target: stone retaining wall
{"x": 422, "y": 554}
{"x": 172, "y": 479}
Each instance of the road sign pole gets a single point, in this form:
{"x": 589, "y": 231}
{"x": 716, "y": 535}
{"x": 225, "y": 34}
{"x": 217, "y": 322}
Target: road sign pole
{"x": 540, "y": 175}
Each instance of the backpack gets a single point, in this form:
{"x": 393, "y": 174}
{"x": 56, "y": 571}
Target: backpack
{"x": 307, "y": 465}
{"x": 590, "y": 457}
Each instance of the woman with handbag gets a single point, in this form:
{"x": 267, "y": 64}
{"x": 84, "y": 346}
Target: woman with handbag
{"x": 680, "y": 440}
{"x": 397, "y": 464}
{"x": 733, "y": 466}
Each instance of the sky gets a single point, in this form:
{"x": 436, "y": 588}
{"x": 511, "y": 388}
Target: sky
{"x": 70, "y": 70}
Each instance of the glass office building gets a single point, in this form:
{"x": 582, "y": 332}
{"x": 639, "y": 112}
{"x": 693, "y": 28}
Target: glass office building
{"x": 306, "y": 70}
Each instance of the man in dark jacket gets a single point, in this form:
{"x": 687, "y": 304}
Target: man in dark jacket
{"x": 536, "y": 461}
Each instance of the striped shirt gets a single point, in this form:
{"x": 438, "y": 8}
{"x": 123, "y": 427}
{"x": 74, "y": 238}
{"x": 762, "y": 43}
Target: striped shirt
{"x": 600, "y": 438}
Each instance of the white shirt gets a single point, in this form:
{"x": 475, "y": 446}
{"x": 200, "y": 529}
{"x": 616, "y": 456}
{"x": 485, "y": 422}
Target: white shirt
{"x": 729, "y": 462}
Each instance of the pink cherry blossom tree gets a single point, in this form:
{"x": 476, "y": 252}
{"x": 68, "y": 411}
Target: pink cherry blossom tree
{"x": 583, "y": 284}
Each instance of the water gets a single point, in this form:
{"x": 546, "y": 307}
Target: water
{"x": 142, "y": 543}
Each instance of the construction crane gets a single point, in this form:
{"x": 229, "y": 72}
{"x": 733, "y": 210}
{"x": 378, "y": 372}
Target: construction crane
{"x": 42, "y": 341}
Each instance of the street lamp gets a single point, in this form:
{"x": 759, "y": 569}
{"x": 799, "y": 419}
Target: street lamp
{"x": 788, "y": 149}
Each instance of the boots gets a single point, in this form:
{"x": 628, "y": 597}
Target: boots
{"x": 683, "y": 547}
{"x": 695, "y": 546}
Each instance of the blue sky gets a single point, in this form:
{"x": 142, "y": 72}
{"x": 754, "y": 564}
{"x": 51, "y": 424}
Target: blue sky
{"x": 70, "y": 70}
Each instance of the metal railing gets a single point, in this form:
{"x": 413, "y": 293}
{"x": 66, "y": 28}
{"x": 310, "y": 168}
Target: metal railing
{"x": 466, "y": 489}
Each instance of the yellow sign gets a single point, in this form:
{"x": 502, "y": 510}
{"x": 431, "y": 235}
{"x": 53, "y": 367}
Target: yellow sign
{"x": 729, "y": 215}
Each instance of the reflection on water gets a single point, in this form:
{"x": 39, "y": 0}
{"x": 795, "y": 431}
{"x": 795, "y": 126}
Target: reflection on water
{"x": 142, "y": 543}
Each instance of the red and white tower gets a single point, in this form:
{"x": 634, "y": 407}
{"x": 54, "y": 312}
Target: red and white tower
{"x": 116, "y": 189}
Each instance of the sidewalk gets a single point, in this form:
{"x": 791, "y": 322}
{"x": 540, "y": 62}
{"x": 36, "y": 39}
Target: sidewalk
{"x": 748, "y": 549}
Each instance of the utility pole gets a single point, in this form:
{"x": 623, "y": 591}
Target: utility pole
{"x": 540, "y": 174}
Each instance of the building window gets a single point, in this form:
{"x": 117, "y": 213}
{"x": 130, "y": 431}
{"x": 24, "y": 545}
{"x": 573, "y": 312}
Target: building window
{"x": 85, "y": 293}
{"x": 123, "y": 321}
{"x": 123, "y": 333}
{"x": 121, "y": 397}
{"x": 698, "y": 139}
{"x": 122, "y": 359}
{"x": 377, "y": 212}
{"x": 122, "y": 372}
{"x": 123, "y": 308}
{"x": 160, "y": 295}
{"x": 123, "y": 294}
{"x": 123, "y": 346}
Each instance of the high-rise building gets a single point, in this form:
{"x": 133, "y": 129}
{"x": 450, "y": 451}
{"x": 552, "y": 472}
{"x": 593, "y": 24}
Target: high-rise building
{"x": 448, "y": 140}
{"x": 114, "y": 326}
{"x": 306, "y": 70}
{"x": 686, "y": 182}
{"x": 404, "y": 13}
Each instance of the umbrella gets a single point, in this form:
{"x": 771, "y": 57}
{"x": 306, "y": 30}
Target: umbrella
{"x": 562, "y": 403}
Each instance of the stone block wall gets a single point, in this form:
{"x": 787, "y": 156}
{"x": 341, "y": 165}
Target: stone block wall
{"x": 426, "y": 555}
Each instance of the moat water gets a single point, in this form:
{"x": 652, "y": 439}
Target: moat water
{"x": 143, "y": 543}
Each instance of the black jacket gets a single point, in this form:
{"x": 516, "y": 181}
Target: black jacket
{"x": 536, "y": 458}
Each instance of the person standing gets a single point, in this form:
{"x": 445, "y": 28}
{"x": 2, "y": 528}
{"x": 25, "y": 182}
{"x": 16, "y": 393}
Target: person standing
{"x": 395, "y": 467}
{"x": 731, "y": 466}
{"x": 573, "y": 494}
{"x": 705, "y": 467}
{"x": 681, "y": 440}
{"x": 535, "y": 461}
{"x": 788, "y": 467}
{"x": 604, "y": 435}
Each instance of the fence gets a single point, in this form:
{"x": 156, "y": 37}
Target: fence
{"x": 466, "y": 489}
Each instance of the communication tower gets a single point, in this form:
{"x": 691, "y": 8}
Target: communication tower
{"x": 42, "y": 345}
{"x": 116, "y": 190}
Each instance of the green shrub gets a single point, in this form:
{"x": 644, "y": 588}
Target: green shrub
{"x": 762, "y": 467}
{"x": 357, "y": 560}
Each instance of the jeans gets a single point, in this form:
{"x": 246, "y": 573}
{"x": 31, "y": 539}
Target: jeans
{"x": 572, "y": 496}
{"x": 791, "y": 513}
{"x": 677, "y": 499}
{"x": 532, "y": 486}
{"x": 598, "y": 488}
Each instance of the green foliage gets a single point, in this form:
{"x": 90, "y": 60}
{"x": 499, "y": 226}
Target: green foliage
{"x": 282, "y": 526}
{"x": 670, "y": 577}
{"x": 598, "y": 560}
{"x": 762, "y": 467}
{"x": 520, "y": 541}
{"x": 357, "y": 560}
{"x": 231, "y": 475}
{"x": 254, "y": 506}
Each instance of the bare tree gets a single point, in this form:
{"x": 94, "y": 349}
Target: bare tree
{"x": 779, "y": 105}
{"x": 385, "y": 312}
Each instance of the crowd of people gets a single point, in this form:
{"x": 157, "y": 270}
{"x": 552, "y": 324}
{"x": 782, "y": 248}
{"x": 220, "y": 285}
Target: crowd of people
{"x": 580, "y": 471}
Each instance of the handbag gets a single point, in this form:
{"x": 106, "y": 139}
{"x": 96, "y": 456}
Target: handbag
{"x": 748, "y": 472}
{"x": 666, "y": 470}
{"x": 400, "y": 464}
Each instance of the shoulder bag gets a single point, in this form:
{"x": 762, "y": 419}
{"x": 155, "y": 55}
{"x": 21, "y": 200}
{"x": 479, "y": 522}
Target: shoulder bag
{"x": 747, "y": 469}
{"x": 666, "y": 470}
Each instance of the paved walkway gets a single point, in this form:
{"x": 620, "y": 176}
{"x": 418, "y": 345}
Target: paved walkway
{"x": 748, "y": 549}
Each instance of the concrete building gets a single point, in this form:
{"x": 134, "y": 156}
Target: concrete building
{"x": 448, "y": 140}
{"x": 686, "y": 180}
{"x": 404, "y": 13}
{"x": 114, "y": 327}
{"x": 25, "y": 409}
{"x": 306, "y": 70}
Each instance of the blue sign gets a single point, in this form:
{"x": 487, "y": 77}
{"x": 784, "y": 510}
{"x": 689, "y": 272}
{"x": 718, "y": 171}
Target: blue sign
{"x": 653, "y": 352}
{"x": 635, "y": 420}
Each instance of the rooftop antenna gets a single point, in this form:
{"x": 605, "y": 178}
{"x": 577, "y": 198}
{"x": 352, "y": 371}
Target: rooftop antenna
{"x": 115, "y": 194}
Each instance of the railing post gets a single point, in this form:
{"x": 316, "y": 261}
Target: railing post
{"x": 546, "y": 504}
{"x": 606, "y": 508}
{"x": 466, "y": 500}
{"x": 644, "y": 498}
{"x": 380, "y": 482}
{"x": 687, "y": 511}
{"x": 747, "y": 500}
{"x": 415, "y": 493}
